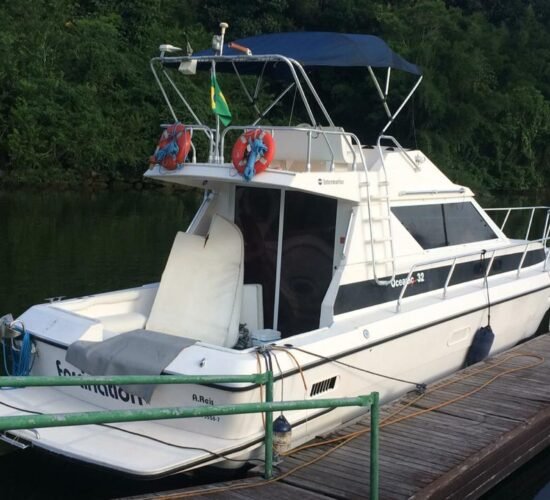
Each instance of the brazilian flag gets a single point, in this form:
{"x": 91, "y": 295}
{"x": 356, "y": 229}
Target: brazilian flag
{"x": 219, "y": 104}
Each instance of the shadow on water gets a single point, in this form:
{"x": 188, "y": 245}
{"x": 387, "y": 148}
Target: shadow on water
{"x": 530, "y": 481}
{"x": 33, "y": 475}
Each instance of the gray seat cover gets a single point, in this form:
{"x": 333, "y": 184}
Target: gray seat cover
{"x": 139, "y": 352}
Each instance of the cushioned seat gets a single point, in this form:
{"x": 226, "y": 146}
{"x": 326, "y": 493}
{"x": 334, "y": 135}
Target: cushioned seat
{"x": 200, "y": 293}
{"x": 252, "y": 311}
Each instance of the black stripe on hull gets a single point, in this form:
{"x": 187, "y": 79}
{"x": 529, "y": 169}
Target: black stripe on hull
{"x": 361, "y": 294}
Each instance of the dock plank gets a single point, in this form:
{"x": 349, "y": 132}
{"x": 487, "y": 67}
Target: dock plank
{"x": 249, "y": 488}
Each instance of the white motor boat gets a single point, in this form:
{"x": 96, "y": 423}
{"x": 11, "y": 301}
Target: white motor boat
{"x": 351, "y": 268}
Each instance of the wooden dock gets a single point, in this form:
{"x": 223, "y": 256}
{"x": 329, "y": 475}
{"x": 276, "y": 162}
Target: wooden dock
{"x": 463, "y": 436}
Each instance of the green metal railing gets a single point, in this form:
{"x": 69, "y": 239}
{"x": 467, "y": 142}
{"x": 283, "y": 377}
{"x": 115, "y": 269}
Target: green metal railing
{"x": 109, "y": 416}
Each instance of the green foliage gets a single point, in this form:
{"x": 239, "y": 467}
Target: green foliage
{"x": 76, "y": 92}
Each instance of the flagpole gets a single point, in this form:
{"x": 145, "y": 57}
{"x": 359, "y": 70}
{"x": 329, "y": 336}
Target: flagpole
{"x": 218, "y": 154}
{"x": 216, "y": 142}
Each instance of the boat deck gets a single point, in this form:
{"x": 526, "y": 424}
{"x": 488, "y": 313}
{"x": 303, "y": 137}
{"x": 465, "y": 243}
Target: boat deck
{"x": 463, "y": 436}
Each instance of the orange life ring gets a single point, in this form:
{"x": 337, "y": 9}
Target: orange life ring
{"x": 241, "y": 150}
{"x": 173, "y": 147}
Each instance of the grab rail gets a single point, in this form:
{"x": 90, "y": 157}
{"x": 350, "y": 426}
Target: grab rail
{"x": 18, "y": 422}
{"x": 455, "y": 258}
{"x": 402, "y": 151}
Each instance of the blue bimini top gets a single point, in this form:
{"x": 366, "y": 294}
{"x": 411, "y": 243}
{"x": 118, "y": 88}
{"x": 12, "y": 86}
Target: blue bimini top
{"x": 324, "y": 49}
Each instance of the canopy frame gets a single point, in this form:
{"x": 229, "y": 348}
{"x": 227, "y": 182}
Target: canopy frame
{"x": 299, "y": 80}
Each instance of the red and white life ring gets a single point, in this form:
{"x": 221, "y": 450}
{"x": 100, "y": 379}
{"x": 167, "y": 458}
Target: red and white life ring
{"x": 168, "y": 156}
{"x": 241, "y": 150}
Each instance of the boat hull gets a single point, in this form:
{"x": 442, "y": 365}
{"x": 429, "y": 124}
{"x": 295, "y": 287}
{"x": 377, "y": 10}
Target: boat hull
{"x": 426, "y": 340}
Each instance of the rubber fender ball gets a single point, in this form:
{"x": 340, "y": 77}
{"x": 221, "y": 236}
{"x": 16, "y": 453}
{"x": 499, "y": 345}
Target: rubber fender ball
{"x": 481, "y": 345}
{"x": 282, "y": 436}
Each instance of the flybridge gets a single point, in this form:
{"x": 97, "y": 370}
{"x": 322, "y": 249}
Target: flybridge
{"x": 283, "y": 152}
{"x": 283, "y": 56}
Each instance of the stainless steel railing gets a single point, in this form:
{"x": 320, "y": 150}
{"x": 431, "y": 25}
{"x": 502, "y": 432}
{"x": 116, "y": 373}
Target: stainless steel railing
{"x": 493, "y": 252}
{"x": 532, "y": 211}
{"x": 400, "y": 150}
{"x": 311, "y": 133}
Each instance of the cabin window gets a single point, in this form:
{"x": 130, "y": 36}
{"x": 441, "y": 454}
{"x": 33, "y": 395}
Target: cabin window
{"x": 446, "y": 224}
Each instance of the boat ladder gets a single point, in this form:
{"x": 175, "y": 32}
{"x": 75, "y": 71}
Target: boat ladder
{"x": 379, "y": 237}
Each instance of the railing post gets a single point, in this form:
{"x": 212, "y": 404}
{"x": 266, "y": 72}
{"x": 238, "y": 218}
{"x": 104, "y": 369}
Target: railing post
{"x": 268, "y": 473}
{"x": 448, "y": 280}
{"x": 308, "y": 159}
{"x": 404, "y": 289}
{"x": 505, "y": 219}
{"x": 374, "y": 446}
{"x": 530, "y": 223}
{"x": 522, "y": 260}
{"x": 489, "y": 267}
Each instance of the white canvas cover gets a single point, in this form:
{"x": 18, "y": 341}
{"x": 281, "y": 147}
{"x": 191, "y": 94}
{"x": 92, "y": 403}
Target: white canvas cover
{"x": 200, "y": 292}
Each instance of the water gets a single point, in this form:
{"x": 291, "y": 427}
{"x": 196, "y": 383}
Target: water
{"x": 73, "y": 244}
{"x": 529, "y": 482}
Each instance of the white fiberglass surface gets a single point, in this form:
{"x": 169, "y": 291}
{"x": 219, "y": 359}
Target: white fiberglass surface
{"x": 143, "y": 448}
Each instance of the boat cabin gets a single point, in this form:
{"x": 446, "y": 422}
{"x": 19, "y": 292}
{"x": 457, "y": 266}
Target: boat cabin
{"x": 329, "y": 218}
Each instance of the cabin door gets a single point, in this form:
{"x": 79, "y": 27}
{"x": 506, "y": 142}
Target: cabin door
{"x": 257, "y": 213}
{"x": 289, "y": 250}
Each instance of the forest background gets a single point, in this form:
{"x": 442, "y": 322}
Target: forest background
{"x": 77, "y": 98}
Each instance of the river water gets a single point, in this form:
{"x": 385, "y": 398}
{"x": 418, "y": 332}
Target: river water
{"x": 77, "y": 243}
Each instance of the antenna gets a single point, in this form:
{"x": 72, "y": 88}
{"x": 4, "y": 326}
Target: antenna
{"x": 217, "y": 40}
{"x": 223, "y": 27}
